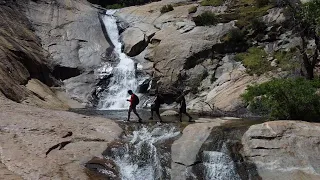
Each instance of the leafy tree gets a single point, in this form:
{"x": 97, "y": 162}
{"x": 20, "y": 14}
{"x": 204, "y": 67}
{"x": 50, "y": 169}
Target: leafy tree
{"x": 295, "y": 99}
{"x": 306, "y": 21}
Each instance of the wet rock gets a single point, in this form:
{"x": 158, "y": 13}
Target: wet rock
{"x": 106, "y": 168}
{"x": 284, "y": 149}
{"x": 169, "y": 113}
{"x": 144, "y": 86}
{"x": 186, "y": 148}
{"x": 114, "y": 148}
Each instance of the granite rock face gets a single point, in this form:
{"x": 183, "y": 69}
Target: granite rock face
{"x": 287, "y": 150}
{"x": 45, "y": 144}
{"x": 182, "y": 54}
{"x": 73, "y": 35}
{"x": 21, "y": 54}
{"x": 69, "y": 30}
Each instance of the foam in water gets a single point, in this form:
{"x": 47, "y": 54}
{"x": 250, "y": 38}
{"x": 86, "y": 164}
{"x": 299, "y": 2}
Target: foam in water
{"x": 140, "y": 159}
{"x": 219, "y": 166}
{"x": 123, "y": 74}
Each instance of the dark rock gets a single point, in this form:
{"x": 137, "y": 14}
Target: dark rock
{"x": 143, "y": 88}
{"x": 64, "y": 73}
{"x": 106, "y": 168}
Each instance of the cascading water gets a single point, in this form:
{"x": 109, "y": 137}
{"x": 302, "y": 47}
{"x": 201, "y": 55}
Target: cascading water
{"x": 219, "y": 166}
{"x": 124, "y": 75}
{"x": 140, "y": 157}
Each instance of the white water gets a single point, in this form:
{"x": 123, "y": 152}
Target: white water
{"x": 141, "y": 159}
{"x": 123, "y": 74}
{"x": 219, "y": 166}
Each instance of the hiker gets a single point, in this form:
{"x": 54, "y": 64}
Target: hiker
{"x": 155, "y": 106}
{"x": 134, "y": 101}
{"x": 183, "y": 107}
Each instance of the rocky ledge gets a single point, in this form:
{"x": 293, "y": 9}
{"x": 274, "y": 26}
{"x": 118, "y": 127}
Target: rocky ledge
{"x": 45, "y": 144}
{"x": 236, "y": 149}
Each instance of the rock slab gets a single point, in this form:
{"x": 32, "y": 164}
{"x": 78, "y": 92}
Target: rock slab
{"x": 32, "y": 144}
{"x": 287, "y": 150}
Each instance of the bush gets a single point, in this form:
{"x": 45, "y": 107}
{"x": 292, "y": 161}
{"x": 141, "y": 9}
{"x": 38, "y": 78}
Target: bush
{"x": 258, "y": 25}
{"x": 235, "y": 36}
{"x": 295, "y": 99}
{"x": 206, "y": 19}
{"x": 255, "y": 60}
{"x": 212, "y": 2}
{"x": 114, "y": 6}
{"x": 262, "y": 3}
{"x": 166, "y": 8}
{"x": 285, "y": 60}
{"x": 193, "y": 9}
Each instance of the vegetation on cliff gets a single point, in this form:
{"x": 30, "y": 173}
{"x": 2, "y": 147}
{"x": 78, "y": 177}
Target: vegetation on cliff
{"x": 294, "y": 99}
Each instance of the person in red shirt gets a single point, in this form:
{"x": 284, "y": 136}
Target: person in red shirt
{"x": 134, "y": 101}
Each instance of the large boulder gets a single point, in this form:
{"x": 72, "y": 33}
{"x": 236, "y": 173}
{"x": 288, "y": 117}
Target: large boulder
{"x": 287, "y": 150}
{"x": 185, "y": 150}
{"x": 45, "y": 144}
{"x": 134, "y": 41}
{"x": 43, "y": 96}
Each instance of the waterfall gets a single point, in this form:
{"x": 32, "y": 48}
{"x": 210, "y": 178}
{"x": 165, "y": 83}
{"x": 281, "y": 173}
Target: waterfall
{"x": 114, "y": 97}
{"x": 219, "y": 165}
{"x": 141, "y": 158}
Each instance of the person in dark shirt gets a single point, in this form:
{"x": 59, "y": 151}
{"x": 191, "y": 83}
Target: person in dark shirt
{"x": 183, "y": 107}
{"x": 155, "y": 107}
{"x": 133, "y": 105}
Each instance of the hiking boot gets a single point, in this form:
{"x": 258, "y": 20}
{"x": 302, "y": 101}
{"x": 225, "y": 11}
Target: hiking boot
{"x": 191, "y": 120}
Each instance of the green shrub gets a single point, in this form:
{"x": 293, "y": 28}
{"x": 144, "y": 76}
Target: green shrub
{"x": 255, "y": 60}
{"x": 234, "y": 36}
{"x": 246, "y": 14}
{"x": 206, "y": 19}
{"x": 114, "y": 6}
{"x": 294, "y": 99}
{"x": 262, "y": 3}
{"x": 193, "y": 9}
{"x": 166, "y": 8}
{"x": 212, "y": 2}
{"x": 285, "y": 60}
{"x": 258, "y": 25}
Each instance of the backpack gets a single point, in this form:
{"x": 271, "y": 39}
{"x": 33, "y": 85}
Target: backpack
{"x": 136, "y": 100}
